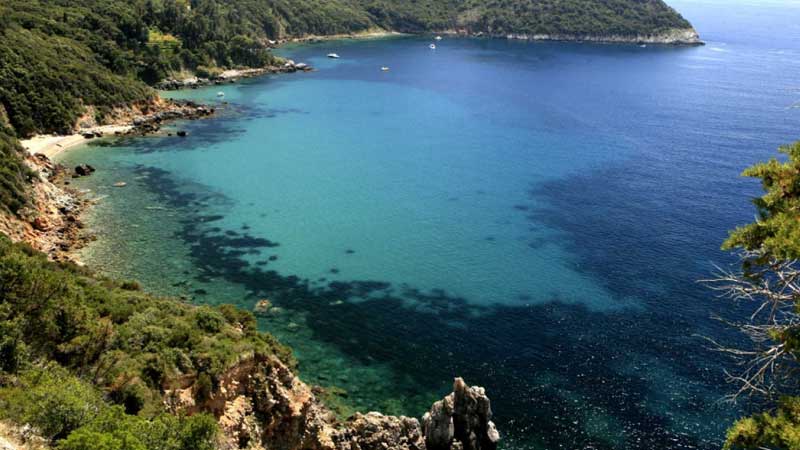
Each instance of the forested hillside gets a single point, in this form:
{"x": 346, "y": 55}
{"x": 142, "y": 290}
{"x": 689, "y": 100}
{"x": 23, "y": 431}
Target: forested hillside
{"x": 571, "y": 17}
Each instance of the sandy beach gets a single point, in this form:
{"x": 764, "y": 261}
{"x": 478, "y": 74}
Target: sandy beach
{"x": 51, "y": 145}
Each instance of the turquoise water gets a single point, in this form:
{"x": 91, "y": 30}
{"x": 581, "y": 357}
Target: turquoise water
{"x": 531, "y": 216}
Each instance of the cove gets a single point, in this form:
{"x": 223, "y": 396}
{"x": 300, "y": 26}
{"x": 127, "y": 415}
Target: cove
{"x": 533, "y": 217}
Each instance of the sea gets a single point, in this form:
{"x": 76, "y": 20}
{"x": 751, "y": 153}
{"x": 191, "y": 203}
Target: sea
{"x": 534, "y": 217}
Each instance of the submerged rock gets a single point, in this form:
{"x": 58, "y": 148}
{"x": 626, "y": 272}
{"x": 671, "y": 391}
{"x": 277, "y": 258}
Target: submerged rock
{"x": 262, "y": 306}
{"x": 83, "y": 170}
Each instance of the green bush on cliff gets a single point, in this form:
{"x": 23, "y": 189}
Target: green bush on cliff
{"x": 73, "y": 345}
{"x": 775, "y": 429}
{"x": 52, "y": 400}
{"x": 71, "y": 412}
{"x": 112, "y": 429}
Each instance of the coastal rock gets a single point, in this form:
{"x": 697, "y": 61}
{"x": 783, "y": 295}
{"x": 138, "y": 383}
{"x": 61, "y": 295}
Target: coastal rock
{"x": 261, "y": 404}
{"x": 49, "y": 223}
{"x": 461, "y": 420}
{"x": 437, "y": 424}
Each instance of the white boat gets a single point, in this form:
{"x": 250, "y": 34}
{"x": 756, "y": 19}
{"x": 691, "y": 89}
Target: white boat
{"x": 333, "y": 55}
{"x": 220, "y": 94}
{"x": 438, "y": 38}
{"x": 432, "y": 46}
{"x": 384, "y": 69}
{"x": 643, "y": 45}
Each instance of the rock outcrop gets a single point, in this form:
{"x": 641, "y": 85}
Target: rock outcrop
{"x": 462, "y": 420}
{"x": 261, "y": 404}
{"x": 172, "y": 110}
{"x": 13, "y": 437}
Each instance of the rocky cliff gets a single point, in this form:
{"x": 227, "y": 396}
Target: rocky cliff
{"x": 261, "y": 404}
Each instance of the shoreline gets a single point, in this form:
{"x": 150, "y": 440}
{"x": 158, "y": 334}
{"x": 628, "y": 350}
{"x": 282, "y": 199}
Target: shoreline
{"x": 369, "y": 34}
{"x": 51, "y": 223}
{"x": 138, "y": 122}
{"x": 52, "y": 145}
{"x": 678, "y": 37}
{"x": 143, "y": 123}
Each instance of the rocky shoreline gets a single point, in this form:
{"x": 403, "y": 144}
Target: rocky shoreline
{"x": 51, "y": 222}
{"x": 231, "y": 76}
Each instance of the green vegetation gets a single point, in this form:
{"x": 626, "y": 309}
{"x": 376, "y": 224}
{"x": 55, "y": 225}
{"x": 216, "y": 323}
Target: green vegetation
{"x": 71, "y": 412}
{"x": 88, "y": 360}
{"x": 56, "y": 60}
{"x": 775, "y": 429}
{"x": 14, "y": 175}
{"x": 769, "y": 278}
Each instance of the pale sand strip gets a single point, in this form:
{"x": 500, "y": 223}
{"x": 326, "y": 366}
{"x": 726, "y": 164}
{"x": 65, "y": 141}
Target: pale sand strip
{"x": 51, "y": 145}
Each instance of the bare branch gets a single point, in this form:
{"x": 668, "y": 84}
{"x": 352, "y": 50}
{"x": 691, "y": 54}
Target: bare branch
{"x": 774, "y": 289}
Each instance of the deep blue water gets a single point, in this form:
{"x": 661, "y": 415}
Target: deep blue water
{"x": 533, "y": 217}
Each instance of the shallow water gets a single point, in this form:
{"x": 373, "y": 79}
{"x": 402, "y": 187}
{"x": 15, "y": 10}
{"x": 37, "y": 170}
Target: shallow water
{"x": 531, "y": 216}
